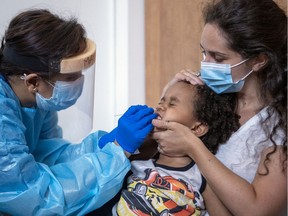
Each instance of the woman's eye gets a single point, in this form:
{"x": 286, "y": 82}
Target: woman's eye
{"x": 219, "y": 60}
{"x": 203, "y": 54}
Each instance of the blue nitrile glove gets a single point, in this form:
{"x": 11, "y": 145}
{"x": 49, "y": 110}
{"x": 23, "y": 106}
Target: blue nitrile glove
{"x": 134, "y": 126}
{"x": 109, "y": 137}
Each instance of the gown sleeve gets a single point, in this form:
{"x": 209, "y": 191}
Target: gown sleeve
{"x": 56, "y": 178}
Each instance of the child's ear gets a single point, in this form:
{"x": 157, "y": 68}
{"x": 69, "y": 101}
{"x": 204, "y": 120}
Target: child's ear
{"x": 199, "y": 129}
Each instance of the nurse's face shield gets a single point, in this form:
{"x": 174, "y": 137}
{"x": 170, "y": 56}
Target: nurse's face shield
{"x": 63, "y": 66}
{"x": 76, "y": 63}
{"x": 77, "y": 120}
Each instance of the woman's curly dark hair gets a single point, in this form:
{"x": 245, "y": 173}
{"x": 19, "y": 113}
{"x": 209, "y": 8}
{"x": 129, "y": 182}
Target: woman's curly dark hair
{"x": 218, "y": 113}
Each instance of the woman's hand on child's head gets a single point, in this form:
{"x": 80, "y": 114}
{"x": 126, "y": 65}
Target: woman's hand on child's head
{"x": 190, "y": 76}
{"x": 184, "y": 75}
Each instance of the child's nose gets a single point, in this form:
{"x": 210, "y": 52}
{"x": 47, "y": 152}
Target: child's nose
{"x": 159, "y": 108}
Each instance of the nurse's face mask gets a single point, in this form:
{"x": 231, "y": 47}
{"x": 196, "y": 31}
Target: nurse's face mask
{"x": 219, "y": 78}
{"x": 64, "y": 95}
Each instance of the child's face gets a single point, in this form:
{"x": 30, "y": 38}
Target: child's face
{"x": 176, "y": 105}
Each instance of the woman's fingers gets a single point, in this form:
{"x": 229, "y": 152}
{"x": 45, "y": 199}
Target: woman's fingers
{"x": 190, "y": 76}
{"x": 160, "y": 124}
{"x": 173, "y": 138}
{"x": 187, "y": 75}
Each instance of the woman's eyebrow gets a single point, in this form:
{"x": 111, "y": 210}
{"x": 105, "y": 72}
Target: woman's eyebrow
{"x": 213, "y": 52}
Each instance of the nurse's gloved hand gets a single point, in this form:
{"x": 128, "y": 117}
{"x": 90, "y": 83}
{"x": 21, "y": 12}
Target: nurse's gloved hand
{"x": 109, "y": 137}
{"x": 134, "y": 126}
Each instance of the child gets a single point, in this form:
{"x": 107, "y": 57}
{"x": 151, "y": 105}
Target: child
{"x": 173, "y": 185}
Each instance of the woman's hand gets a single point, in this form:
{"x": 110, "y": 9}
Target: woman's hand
{"x": 185, "y": 75}
{"x": 174, "y": 139}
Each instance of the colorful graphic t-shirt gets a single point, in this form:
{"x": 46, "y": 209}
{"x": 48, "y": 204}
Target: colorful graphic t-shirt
{"x": 154, "y": 189}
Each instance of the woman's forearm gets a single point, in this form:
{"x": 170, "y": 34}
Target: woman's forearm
{"x": 213, "y": 204}
{"x": 238, "y": 195}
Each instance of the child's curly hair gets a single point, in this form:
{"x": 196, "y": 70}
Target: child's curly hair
{"x": 218, "y": 112}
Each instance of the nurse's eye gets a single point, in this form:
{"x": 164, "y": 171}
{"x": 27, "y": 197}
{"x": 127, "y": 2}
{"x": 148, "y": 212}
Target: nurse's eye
{"x": 72, "y": 78}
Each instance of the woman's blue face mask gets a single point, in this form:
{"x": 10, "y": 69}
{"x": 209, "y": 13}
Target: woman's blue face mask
{"x": 64, "y": 95}
{"x": 219, "y": 78}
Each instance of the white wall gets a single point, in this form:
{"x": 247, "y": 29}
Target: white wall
{"x": 117, "y": 27}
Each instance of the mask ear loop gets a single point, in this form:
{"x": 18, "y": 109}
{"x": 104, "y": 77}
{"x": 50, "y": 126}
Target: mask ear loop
{"x": 50, "y": 84}
{"x": 247, "y": 75}
{"x": 239, "y": 63}
{"x": 24, "y": 77}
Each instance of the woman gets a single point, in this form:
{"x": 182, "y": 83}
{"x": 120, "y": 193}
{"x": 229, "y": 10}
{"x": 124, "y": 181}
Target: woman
{"x": 245, "y": 47}
{"x": 41, "y": 60}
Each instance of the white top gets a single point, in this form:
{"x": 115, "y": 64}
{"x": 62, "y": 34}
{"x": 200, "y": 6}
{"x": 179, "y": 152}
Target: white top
{"x": 242, "y": 151}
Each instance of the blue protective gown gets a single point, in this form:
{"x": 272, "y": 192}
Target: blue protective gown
{"x": 42, "y": 174}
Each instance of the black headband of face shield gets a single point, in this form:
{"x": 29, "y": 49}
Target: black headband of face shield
{"x": 29, "y": 62}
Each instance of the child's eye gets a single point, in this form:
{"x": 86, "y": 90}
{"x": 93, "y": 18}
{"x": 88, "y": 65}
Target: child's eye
{"x": 172, "y": 104}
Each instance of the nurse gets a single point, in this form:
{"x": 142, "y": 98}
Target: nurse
{"x": 41, "y": 60}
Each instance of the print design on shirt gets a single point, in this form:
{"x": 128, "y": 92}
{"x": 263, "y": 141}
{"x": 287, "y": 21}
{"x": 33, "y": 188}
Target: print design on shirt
{"x": 157, "y": 195}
